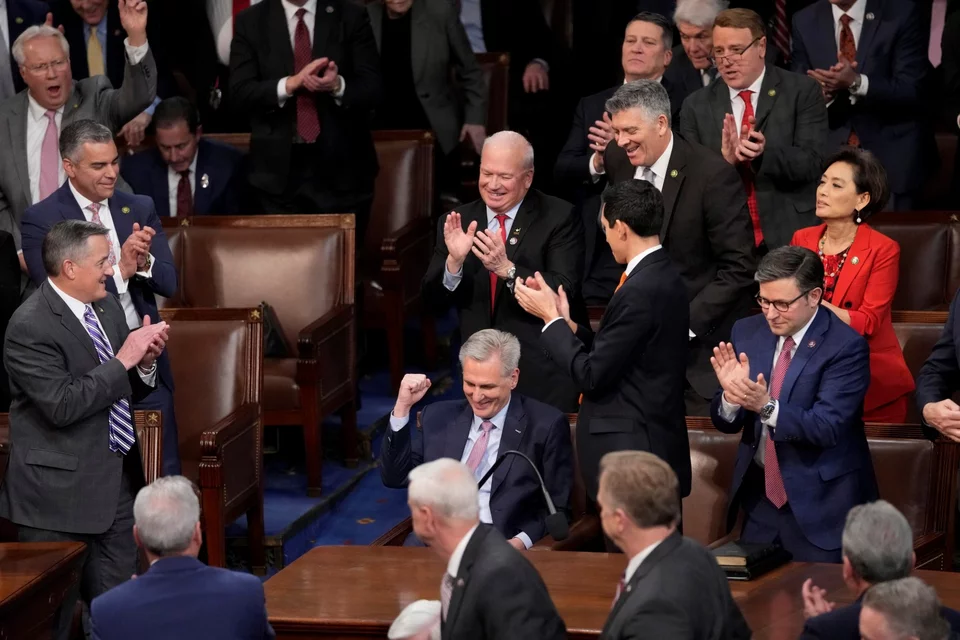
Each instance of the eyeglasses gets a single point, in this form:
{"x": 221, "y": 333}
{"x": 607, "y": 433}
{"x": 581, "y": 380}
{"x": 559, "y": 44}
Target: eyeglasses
{"x": 735, "y": 55}
{"x": 58, "y": 65}
{"x": 780, "y": 305}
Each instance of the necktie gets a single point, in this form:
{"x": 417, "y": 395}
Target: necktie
{"x": 308, "y": 122}
{"x": 6, "y": 73}
{"x": 446, "y": 591}
{"x": 708, "y": 76}
{"x": 773, "y": 481}
{"x": 620, "y": 587}
{"x": 746, "y": 172}
{"x": 848, "y": 50}
{"x": 938, "y": 16}
{"x": 479, "y": 449}
{"x": 94, "y": 208}
{"x": 94, "y": 54}
{"x": 502, "y": 220}
{"x": 623, "y": 278}
{"x": 184, "y": 196}
{"x": 238, "y": 6}
{"x": 781, "y": 30}
{"x": 121, "y": 424}
{"x": 648, "y": 175}
{"x": 50, "y": 157}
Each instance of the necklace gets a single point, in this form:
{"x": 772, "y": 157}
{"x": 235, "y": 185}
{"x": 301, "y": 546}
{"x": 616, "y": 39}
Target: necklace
{"x": 842, "y": 257}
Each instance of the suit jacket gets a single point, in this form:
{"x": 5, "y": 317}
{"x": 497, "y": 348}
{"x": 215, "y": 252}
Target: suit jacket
{"x": 708, "y": 234}
{"x": 892, "y": 53}
{"x": 261, "y": 54}
{"x": 437, "y": 41}
{"x": 91, "y": 99}
{"x": 22, "y": 14}
{"x": 844, "y": 623}
{"x": 685, "y": 77}
{"x": 62, "y": 475}
{"x": 630, "y": 371}
{"x": 792, "y": 117}
{"x": 678, "y": 591}
{"x": 821, "y": 447}
{"x": 939, "y": 377}
{"x": 516, "y": 502}
{"x": 765, "y": 9}
{"x": 550, "y": 240}
{"x": 9, "y": 301}
{"x": 865, "y": 290}
{"x": 174, "y": 599}
{"x": 125, "y": 210}
{"x": 222, "y": 164}
{"x": 519, "y": 28}
{"x": 498, "y": 594}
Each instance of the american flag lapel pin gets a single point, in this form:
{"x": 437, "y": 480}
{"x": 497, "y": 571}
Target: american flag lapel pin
{"x": 812, "y": 344}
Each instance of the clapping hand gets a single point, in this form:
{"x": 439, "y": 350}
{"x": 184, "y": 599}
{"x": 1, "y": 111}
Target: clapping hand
{"x": 459, "y": 242}
{"x": 815, "y": 601}
{"x": 489, "y": 248}
{"x": 144, "y": 345}
{"x": 537, "y": 298}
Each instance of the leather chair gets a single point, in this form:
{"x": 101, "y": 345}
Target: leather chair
{"x": 217, "y": 360}
{"x": 303, "y": 267}
{"x": 399, "y": 243}
{"x": 937, "y": 190}
{"x": 917, "y": 332}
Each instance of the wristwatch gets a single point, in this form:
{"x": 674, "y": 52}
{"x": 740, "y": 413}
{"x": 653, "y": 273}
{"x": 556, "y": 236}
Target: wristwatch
{"x": 768, "y": 409}
{"x": 855, "y": 86}
{"x": 511, "y": 274}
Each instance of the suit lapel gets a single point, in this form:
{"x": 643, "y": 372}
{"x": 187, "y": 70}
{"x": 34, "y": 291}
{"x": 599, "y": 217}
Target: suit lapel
{"x": 672, "y": 184}
{"x": 514, "y": 426}
{"x": 719, "y": 106}
{"x": 109, "y": 326}
{"x": 669, "y": 544}
{"x": 280, "y": 34}
{"x": 70, "y": 108}
{"x": 768, "y": 95}
{"x": 456, "y": 440}
{"x": 202, "y": 195}
{"x": 463, "y": 575}
{"x": 122, "y": 220}
{"x": 418, "y": 44}
{"x": 69, "y": 321}
{"x": 17, "y": 124}
{"x": 868, "y": 31}
{"x": 860, "y": 249}
{"x": 375, "y": 12}
{"x": 324, "y": 31}
{"x": 161, "y": 184}
{"x": 526, "y": 215}
{"x": 824, "y": 49}
{"x": 811, "y": 342}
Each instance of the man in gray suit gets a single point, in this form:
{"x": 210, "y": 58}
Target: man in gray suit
{"x": 29, "y": 173}
{"x": 75, "y": 369}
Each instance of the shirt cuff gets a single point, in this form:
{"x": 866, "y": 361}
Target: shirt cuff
{"x": 149, "y": 272}
{"x": 545, "y": 328}
{"x": 119, "y": 281}
{"x": 728, "y": 411}
{"x": 692, "y": 334}
{"x": 525, "y": 539}
{"x": 772, "y": 420}
{"x": 282, "y": 95}
{"x": 452, "y": 280}
{"x": 863, "y": 88}
{"x": 398, "y": 423}
{"x": 338, "y": 94}
{"x": 546, "y": 67}
{"x": 149, "y": 378}
{"x": 593, "y": 170}
{"x": 149, "y": 110}
{"x": 135, "y": 54}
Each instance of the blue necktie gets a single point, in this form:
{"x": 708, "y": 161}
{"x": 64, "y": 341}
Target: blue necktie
{"x": 121, "y": 422}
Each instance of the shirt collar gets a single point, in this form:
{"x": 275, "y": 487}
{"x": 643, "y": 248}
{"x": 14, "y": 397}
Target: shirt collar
{"x": 511, "y": 214}
{"x": 453, "y": 566}
{"x": 754, "y": 88}
{"x": 37, "y": 112}
{"x": 192, "y": 168}
{"x": 636, "y": 260}
{"x": 101, "y": 28}
{"x": 798, "y": 336}
{"x": 82, "y": 200}
{"x": 291, "y": 9}
{"x": 857, "y": 11}
{"x": 637, "y": 560}
{"x": 659, "y": 79}
{"x": 75, "y": 306}
{"x": 659, "y": 167}
{"x": 497, "y": 420}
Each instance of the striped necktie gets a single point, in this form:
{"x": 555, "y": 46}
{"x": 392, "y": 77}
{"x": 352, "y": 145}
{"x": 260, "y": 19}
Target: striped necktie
{"x": 121, "y": 422}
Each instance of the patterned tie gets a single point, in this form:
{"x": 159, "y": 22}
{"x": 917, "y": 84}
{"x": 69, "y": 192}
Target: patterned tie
{"x": 308, "y": 122}
{"x": 502, "y": 220}
{"x": 50, "y": 157}
{"x": 94, "y": 208}
{"x": 781, "y": 30}
{"x": 620, "y": 587}
{"x": 446, "y": 592}
{"x": 120, "y": 421}
{"x": 184, "y": 196}
{"x": 746, "y": 171}
{"x": 94, "y": 54}
{"x": 479, "y": 447}
{"x": 848, "y": 50}
{"x": 773, "y": 481}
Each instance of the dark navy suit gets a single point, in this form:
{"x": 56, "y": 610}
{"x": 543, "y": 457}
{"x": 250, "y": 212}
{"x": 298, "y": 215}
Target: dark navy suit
{"x": 844, "y": 623}
{"x": 939, "y": 377}
{"x": 147, "y": 174}
{"x": 180, "y": 597}
{"x": 125, "y": 209}
{"x": 821, "y": 446}
{"x": 22, "y": 14}
{"x": 531, "y": 427}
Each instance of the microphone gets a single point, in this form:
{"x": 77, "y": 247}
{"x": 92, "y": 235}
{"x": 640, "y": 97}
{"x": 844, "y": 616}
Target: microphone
{"x": 557, "y": 525}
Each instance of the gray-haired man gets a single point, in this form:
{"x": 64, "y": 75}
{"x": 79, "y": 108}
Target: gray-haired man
{"x": 904, "y": 609}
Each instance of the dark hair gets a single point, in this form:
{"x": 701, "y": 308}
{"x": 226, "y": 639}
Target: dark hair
{"x": 791, "y": 262}
{"x": 637, "y": 203}
{"x": 666, "y": 27}
{"x": 76, "y": 134}
{"x": 67, "y": 240}
{"x": 172, "y": 110}
{"x": 869, "y": 176}
{"x": 741, "y": 19}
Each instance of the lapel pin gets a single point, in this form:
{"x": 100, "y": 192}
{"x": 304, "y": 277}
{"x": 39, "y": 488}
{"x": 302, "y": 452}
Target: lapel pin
{"x": 329, "y": 9}
{"x": 19, "y": 20}
{"x": 518, "y": 431}
{"x": 513, "y": 240}
{"x": 629, "y": 588}
{"x": 516, "y": 231}
{"x": 855, "y": 260}
{"x": 869, "y": 16}
{"x": 772, "y": 92}
{"x": 100, "y": 309}
{"x": 125, "y": 210}
{"x": 460, "y": 580}
{"x": 674, "y": 173}
{"x": 76, "y": 105}
{"x": 204, "y": 181}
{"x": 812, "y": 344}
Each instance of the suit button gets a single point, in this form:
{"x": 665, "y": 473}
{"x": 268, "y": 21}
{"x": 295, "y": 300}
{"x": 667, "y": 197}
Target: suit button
{"x": 847, "y": 304}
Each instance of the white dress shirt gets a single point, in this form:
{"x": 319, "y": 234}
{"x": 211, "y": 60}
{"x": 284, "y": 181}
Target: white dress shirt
{"x": 453, "y": 565}
{"x": 728, "y": 410}
{"x": 737, "y": 104}
{"x": 173, "y": 184}
{"x": 78, "y": 309}
{"x": 637, "y": 560}
{"x": 858, "y": 12}
{"x": 36, "y": 130}
{"x": 658, "y": 168}
{"x": 472, "y": 22}
{"x": 309, "y": 19}
{"x": 126, "y": 300}
{"x": 452, "y": 280}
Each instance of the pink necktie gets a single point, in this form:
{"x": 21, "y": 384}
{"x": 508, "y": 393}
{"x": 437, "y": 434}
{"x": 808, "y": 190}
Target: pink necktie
{"x": 94, "y": 208}
{"x": 480, "y": 447}
{"x": 50, "y": 157}
{"x": 773, "y": 481}
{"x": 937, "y": 18}
{"x": 620, "y": 587}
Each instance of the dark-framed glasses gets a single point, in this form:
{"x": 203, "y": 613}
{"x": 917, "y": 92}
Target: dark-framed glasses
{"x": 780, "y": 305}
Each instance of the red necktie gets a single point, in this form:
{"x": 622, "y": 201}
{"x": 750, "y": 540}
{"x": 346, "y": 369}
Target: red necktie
{"x": 781, "y": 31}
{"x": 502, "y": 219}
{"x": 773, "y": 481}
{"x": 848, "y": 50}
{"x": 746, "y": 173}
{"x": 184, "y": 196}
{"x": 308, "y": 123}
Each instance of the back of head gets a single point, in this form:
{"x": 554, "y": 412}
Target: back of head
{"x": 791, "y": 262}
{"x": 637, "y": 203}
{"x": 166, "y": 513}
{"x": 910, "y": 608}
{"x": 488, "y": 343}
{"x": 78, "y": 133}
{"x": 648, "y": 96}
{"x": 448, "y": 487}
{"x": 643, "y": 486}
{"x": 67, "y": 240}
{"x": 172, "y": 111}
{"x": 699, "y": 13}
{"x": 878, "y": 542}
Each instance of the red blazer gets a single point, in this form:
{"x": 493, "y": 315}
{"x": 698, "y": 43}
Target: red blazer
{"x": 865, "y": 290}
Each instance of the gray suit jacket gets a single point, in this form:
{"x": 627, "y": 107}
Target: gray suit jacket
{"x": 792, "y": 116}
{"x": 92, "y": 99}
{"x": 62, "y": 475}
{"x": 439, "y": 41}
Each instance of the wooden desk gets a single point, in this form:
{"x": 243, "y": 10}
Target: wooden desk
{"x": 34, "y": 578}
{"x": 357, "y": 592}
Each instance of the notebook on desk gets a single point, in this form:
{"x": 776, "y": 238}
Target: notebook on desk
{"x": 746, "y": 561}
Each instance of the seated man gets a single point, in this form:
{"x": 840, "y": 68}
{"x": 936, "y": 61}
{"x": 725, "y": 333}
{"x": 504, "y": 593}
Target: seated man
{"x": 185, "y": 174}
{"x": 877, "y": 548}
{"x": 491, "y": 420}
{"x": 939, "y": 380}
{"x": 177, "y": 595}
{"x": 905, "y": 609}
{"x": 803, "y": 460}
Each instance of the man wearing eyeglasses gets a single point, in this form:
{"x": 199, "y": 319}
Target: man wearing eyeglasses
{"x": 769, "y": 123}
{"x": 794, "y": 381}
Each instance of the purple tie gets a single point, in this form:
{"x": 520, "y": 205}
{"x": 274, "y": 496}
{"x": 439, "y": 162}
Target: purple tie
{"x": 94, "y": 208}
{"x": 480, "y": 447}
{"x": 50, "y": 157}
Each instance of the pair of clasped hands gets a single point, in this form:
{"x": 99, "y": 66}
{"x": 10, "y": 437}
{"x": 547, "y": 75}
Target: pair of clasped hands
{"x": 143, "y": 346}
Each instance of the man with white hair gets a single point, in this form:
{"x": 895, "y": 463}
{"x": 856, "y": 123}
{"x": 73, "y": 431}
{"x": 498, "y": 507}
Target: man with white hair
{"x": 175, "y": 597}
{"x": 485, "y": 245}
{"x": 489, "y": 590}
{"x": 692, "y": 67}
{"x": 904, "y": 609}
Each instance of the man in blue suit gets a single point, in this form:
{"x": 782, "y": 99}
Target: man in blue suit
{"x": 16, "y": 16}
{"x": 803, "y": 459}
{"x": 144, "y": 266}
{"x": 179, "y": 596}
{"x": 186, "y": 174}
{"x": 491, "y": 420}
{"x": 939, "y": 381}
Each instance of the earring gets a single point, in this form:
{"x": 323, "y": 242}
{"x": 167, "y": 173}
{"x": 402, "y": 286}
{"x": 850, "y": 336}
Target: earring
{"x": 858, "y": 216}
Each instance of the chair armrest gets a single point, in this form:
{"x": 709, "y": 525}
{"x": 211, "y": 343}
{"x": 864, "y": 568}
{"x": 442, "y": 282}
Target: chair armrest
{"x": 396, "y": 536}
{"x": 583, "y": 533}
{"x": 407, "y": 250}
{"x": 232, "y": 449}
{"x": 322, "y": 329}
{"x": 212, "y": 440}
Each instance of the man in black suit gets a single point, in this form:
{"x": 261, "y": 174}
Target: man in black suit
{"x": 706, "y": 227}
{"x": 15, "y": 17}
{"x": 672, "y": 587}
{"x": 939, "y": 381}
{"x": 9, "y": 301}
{"x": 186, "y": 174}
{"x": 950, "y": 71}
{"x": 692, "y": 66}
{"x": 631, "y": 372}
{"x": 308, "y": 75}
{"x": 769, "y": 123}
{"x": 492, "y": 419}
{"x": 905, "y": 608}
{"x": 510, "y": 233}
{"x": 877, "y": 548}
{"x": 489, "y": 590}
{"x": 779, "y": 50}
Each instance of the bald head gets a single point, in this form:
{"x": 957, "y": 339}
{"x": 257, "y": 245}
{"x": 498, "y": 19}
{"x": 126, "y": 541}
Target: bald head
{"x": 506, "y": 170}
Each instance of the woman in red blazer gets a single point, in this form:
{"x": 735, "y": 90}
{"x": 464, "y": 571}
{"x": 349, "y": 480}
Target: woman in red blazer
{"x": 861, "y": 269}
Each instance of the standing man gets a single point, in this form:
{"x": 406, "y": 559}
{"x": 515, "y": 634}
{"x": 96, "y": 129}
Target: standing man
{"x": 139, "y": 251}
{"x": 692, "y": 66}
{"x": 307, "y": 74}
{"x": 15, "y": 17}
{"x": 631, "y": 372}
{"x": 939, "y": 380}
{"x": 74, "y": 366}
